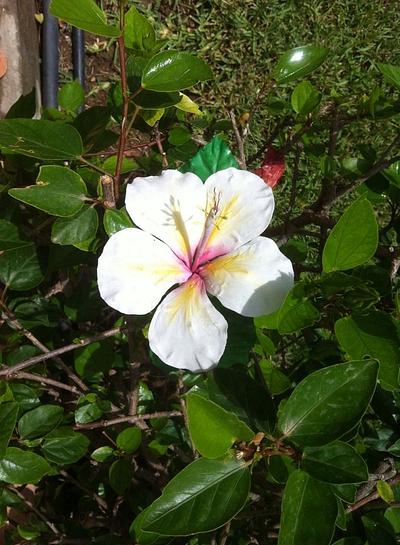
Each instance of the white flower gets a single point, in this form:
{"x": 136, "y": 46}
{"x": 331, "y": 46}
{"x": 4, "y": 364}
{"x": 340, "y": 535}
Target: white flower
{"x": 203, "y": 238}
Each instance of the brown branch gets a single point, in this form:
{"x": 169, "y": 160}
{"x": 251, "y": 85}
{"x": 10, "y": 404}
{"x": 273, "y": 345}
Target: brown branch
{"x": 160, "y": 146}
{"x": 123, "y": 419}
{"x": 371, "y": 497}
{"x": 125, "y": 105}
{"x": 58, "y": 351}
{"x": 107, "y": 184}
{"x": 34, "y": 509}
{"x": 239, "y": 140}
{"x": 134, "y": 368}
{"x": 14, "y": 323}
{"x": 225, "y": 533}
{"x": 100, "y": 502}
{"x": 43, "y": 380}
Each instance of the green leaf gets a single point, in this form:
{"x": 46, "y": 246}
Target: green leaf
{"x": 250, "y": 400}
{"x": 299, "y": 62}
{"x": 385, "y": 491}
{"x": 348, "y": 541}
{"x": 139, "y": 33}
{"x": 213, "y": 429}
{"x": 179, "y": 136}
{"x": 84, "y": 14}
{"x": 202, "y": 497}
{"x": 373, "y": 335}
{"x": 120, "y": 475}
{"x": 19, "y": 263}
{"x": 297, "y": 312}
{"x": 65, "y": 446}
{"x": 71, "y": 96}
{"x": 24, "y": 107}
{"x": 144, "y": 538}
{"x": 174, "y": 71}
{"x": 152, "y": 116}
{"x": 337, "y": 463}
{"x": 21, "y": 467}
{"x": 341, "y": 391}
{"x": 391, "y": 73}
{"x": 77, "y": 229}
{"x": 129, "y": 439}
{"x": 39, "y": 138}
{"x": 88, "y": 412}
{"x": 58, "y": 191}
{"x": 277, "y": 381}
{"x": 39, "y": 421}
{"x": 102, "y": 454}
{"x": 353, "y": 240}
{"x": 309, "y": 511}
{"x": 305, "y": 98}
{"x": 186, "y": 104}
{"x": 213, "y": 157}
{"x": 116, "y": 220}
{"x": 153, "y": 100}
{"x": 8, "y": 419}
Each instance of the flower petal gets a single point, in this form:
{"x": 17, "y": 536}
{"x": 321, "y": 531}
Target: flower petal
{"x": 135, "y": 270}
{"x": 253, "y": 280}
{"x": 171, "y": 207}
{"x": 240, "y": 206}
{"x": 187, "y": 331}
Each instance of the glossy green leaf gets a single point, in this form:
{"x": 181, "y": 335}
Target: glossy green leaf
{"x": 102, "y": 454}
{"x": 71, "y": 96}
{"x": 8, "y": 419}
{"x": 393, "y": 173}
{"x": 65, "y": 446}
{"x": 138, "y": 31}
{"x": 297, "y": 311}
{"x": 88, "y": 412}
{"x": 392, "y": 514}
{"x": 116, "y": 220}
{"x": 385, "y": 491}
{"x": 84, "y": 14}
{"x": 152, "y": 116}
{"x": 153, "y": 100}
{"x": 391, "y": 73}
{"x": 328, "y": 403}
{"x": 299, "y": 62}
{"x": 251, "y": 401}
{"x": 348, "y": 541}
{"x": 337, "y": 463}
{"x": 305, "y": 98}
{"x": 202, "y": 497}
{"x": 277, "y": 381}
{"x": 58, "y": 191}
{"x": 129, "y": 439}
{"x": 22, "y": 467}
{"x": 353, "y": 240}
{"x": 19, "y": 263}
{"x": 40, "y": 421}
{"x": 373, "y": 335}
{"x": 213, "y": 429}
{"x": 211, "y": 158}
{"x": 39, "y": 138}
{"x": 174, "y": 71}
{"x": 309, "y": 511}
{"x": 144, "y": 538}
{"x": 120, "y": 475}
{"x": 77, "y": 229}
{"x": 186, "y": 104}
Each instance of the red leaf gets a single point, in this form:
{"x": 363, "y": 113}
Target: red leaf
{"x": 273, "y": 167}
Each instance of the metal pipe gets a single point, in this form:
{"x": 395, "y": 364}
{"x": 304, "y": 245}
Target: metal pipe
{"x": 78, "y": 55}
{"x": 50, "y": 58}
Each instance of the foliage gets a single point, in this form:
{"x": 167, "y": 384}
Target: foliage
{"x": 303, "y": 408}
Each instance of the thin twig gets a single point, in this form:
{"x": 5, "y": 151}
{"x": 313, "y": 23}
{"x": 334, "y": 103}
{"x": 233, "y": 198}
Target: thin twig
{"x": 34, "y": 509}
{"x": 370, "y": 497}
{"x": 43, "y": 380}
{"x": 107, "y": 184}
{"x": 14, "y": 323}
{"x": 130, "y": 419}
{"x": 225, "y": 533}
{"x": 239, "y": 140}
{"x": 160, "y": 146}
{"x": 100, "y": 502}
{"x": 134, "y": 369}
{"x": 58, "y": 351}
{"x": 91, "y": 165}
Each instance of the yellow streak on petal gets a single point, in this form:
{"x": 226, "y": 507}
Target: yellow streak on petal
{"x": 227, "y": 212}
{"x": 158, "y": 274}
{"x": 229, "y": 263}
{"x": 187, "y": 301}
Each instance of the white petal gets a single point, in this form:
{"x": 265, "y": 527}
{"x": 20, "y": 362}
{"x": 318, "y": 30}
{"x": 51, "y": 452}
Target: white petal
{"x": 135, "y": 270}
{"x": 240, "y": 206}
{"x": 253, "y": 280}
{"x": 171, "y": 207}
{"x": 187, "y": 331}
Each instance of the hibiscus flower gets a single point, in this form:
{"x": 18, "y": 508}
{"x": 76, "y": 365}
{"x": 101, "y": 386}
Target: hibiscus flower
{"x": 193, "y": 239}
